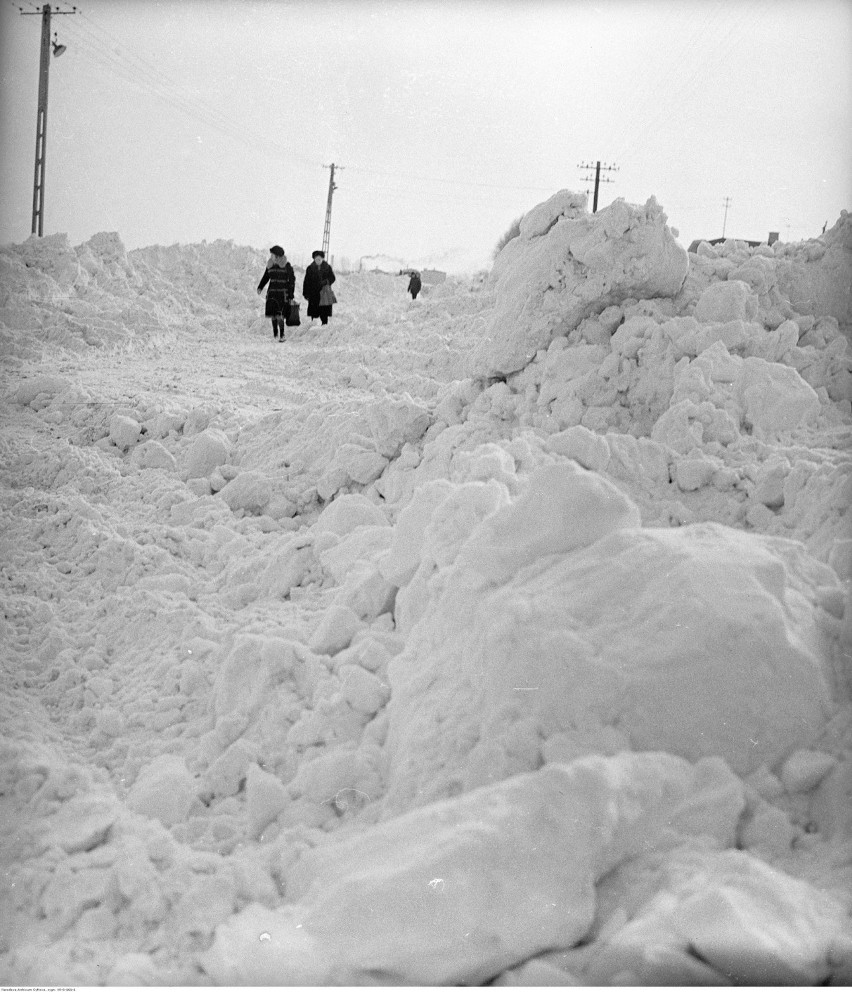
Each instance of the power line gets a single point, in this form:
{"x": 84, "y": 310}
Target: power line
{"x": 597, "y": 177}
{"x": 112, "y": 57}
{"x": 451, "y": 182}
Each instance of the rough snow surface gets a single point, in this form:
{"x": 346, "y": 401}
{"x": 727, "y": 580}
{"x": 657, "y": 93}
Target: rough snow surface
{"x": 498, "y": 636}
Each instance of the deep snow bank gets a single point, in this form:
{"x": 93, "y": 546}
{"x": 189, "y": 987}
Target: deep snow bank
{"x": 323, "y": 659}
{"x": 566, "y": 265}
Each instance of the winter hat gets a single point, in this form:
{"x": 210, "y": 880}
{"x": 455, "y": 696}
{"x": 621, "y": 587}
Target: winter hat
{"x": 318, "y": 252}
{"x": 276, "y": 250}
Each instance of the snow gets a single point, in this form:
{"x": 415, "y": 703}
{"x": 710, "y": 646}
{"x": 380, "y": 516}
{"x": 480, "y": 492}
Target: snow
{"x": 502, "y": 636}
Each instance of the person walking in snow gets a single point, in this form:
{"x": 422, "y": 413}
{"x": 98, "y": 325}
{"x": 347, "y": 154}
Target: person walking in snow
{"x": 414, "y": 285}
{"x": 316, "y": 287}
{"x": 282, "y": 286}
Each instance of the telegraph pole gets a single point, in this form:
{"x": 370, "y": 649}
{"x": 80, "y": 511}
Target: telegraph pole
{"x": 41, "y": 117}
{"x": 332, "y": 186}
{"x": 726, "y": 203}
{"x": 597, "y": 167}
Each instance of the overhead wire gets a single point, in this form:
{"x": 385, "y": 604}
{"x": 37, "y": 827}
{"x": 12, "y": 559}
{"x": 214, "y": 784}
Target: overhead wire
{"x": 136, "y": 69}
{"x": 649, "y": 98}
{"x": 687, "y": 88}
{"x": 111, "y": 56}
{"x": 114, "y": 58}
{"x": 452, "y": 182}
{"x": 17, "y": 5}
{"x": 107, "y": 53}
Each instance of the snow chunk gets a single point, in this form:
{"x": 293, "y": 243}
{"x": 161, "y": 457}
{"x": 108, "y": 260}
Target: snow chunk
{"x": 249, "y": 491}
{"x": 336, "y": 629}
{"x": 82, "y": 823}
{"x": 363, "y": 545}
{"x": 724, "y": 301}
{"x": 206, "y": 451}
{"x": 582, "y": 445}
{"x": 364, "y": 692}
{"x": 804, "y": 770}
{"x": 564, "y": 508}
{"x": 42, "y": 385}
{"x": 748, "y": 923}
{"x": 393, "y": 424}
{"x": 395, "y": 904}
{"x": 152, "y": 454}
{"x": 700, "y": 641}
{"x": 775, "y": 398}
{"x": 347, "y": 512}
{"x": 401, "y": 562}
{"x": 266, "y": 797}
{"x": 124, "y": 431}
{"x": 568, "y": 265}
{"x": 758, "y": 925}
{"x": 165, "y": 790}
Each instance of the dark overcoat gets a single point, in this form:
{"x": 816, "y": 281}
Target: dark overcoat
{"x": 282, "y": 286}
{"x": 315, "y": 279}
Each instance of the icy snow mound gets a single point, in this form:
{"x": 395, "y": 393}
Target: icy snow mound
{"x": 456, "y": 893}
{"x": 810, "y": 278}
{"x": 817, "y": 274}
{"x": 557, "y": 626}
{"x": 567, "y": 264}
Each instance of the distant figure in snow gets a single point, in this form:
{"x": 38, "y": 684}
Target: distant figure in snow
{"x": 282, "y": 286}
{"x": 316, "y": 287}
{"x": 414, "y": 285}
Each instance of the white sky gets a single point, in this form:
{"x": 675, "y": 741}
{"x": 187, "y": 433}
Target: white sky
{"x": 184, "y": 120}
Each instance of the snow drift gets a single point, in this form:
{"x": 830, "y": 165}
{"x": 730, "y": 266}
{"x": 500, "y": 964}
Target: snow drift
{"x": 501, "y": 636}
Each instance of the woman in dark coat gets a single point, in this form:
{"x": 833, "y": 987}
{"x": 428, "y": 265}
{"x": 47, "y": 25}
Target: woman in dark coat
{"x": 414, "y": 285}
{"x": 282, "y": 286}
{"x": 318, "y": 274}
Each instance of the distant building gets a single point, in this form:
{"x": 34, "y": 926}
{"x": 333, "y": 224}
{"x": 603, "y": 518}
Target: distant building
{"x": 379, "y": 263}
{"x": 433, "y": 276}
{"x": 773, "y": 237}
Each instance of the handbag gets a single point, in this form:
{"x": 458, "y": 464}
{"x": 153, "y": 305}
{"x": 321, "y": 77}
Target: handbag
{"x": 327, "y": 296}
{"x": 292, "y": 318}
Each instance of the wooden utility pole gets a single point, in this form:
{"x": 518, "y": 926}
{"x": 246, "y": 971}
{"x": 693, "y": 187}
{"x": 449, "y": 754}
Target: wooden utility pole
{"x": 41, "y": 117}
{"x": 332, "y": 186}
{"x": 726, "y": 203}
{"x": 597, "y": 167}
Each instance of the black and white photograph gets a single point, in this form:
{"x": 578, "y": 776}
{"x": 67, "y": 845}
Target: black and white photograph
{"x": 425, "y": 486}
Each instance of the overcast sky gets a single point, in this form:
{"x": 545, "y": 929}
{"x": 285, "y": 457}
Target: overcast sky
{"x": 188, "y": 120}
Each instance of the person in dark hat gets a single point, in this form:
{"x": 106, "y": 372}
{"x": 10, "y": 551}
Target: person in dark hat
{"x": 414, "y": 284}
{"x": 316, "y": 287}
{"x": 282, "y": 287}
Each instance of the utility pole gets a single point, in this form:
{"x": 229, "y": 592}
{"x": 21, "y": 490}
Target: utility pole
{"x": 41, "y": 117}
{"x": 332, "y": 186}
{"x": 597, "y": 167}
{"x": 726, "y": 203}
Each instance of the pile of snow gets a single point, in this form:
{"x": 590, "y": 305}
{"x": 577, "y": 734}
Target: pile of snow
{"x": 500, "y": 636}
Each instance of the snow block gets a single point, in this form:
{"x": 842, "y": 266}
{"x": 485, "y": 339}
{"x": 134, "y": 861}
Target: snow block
{"x": 747, "y": 922}
{"x": 152, "y": 454}
{"x": 347, "y": 512}
{"x": 249, "y": 491}
{"x": 165, "y": 790}
{"x": 564, "y": 508}
{"x": 205, "y": 452}
{"x": 455, "y": 893}
{"x": 567, "y": 265}
{"x": 700, "y": 641}
{"x": 42, "y": 385}
{"x": 124, "y": 431}
{"x": 725, "y": 301}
